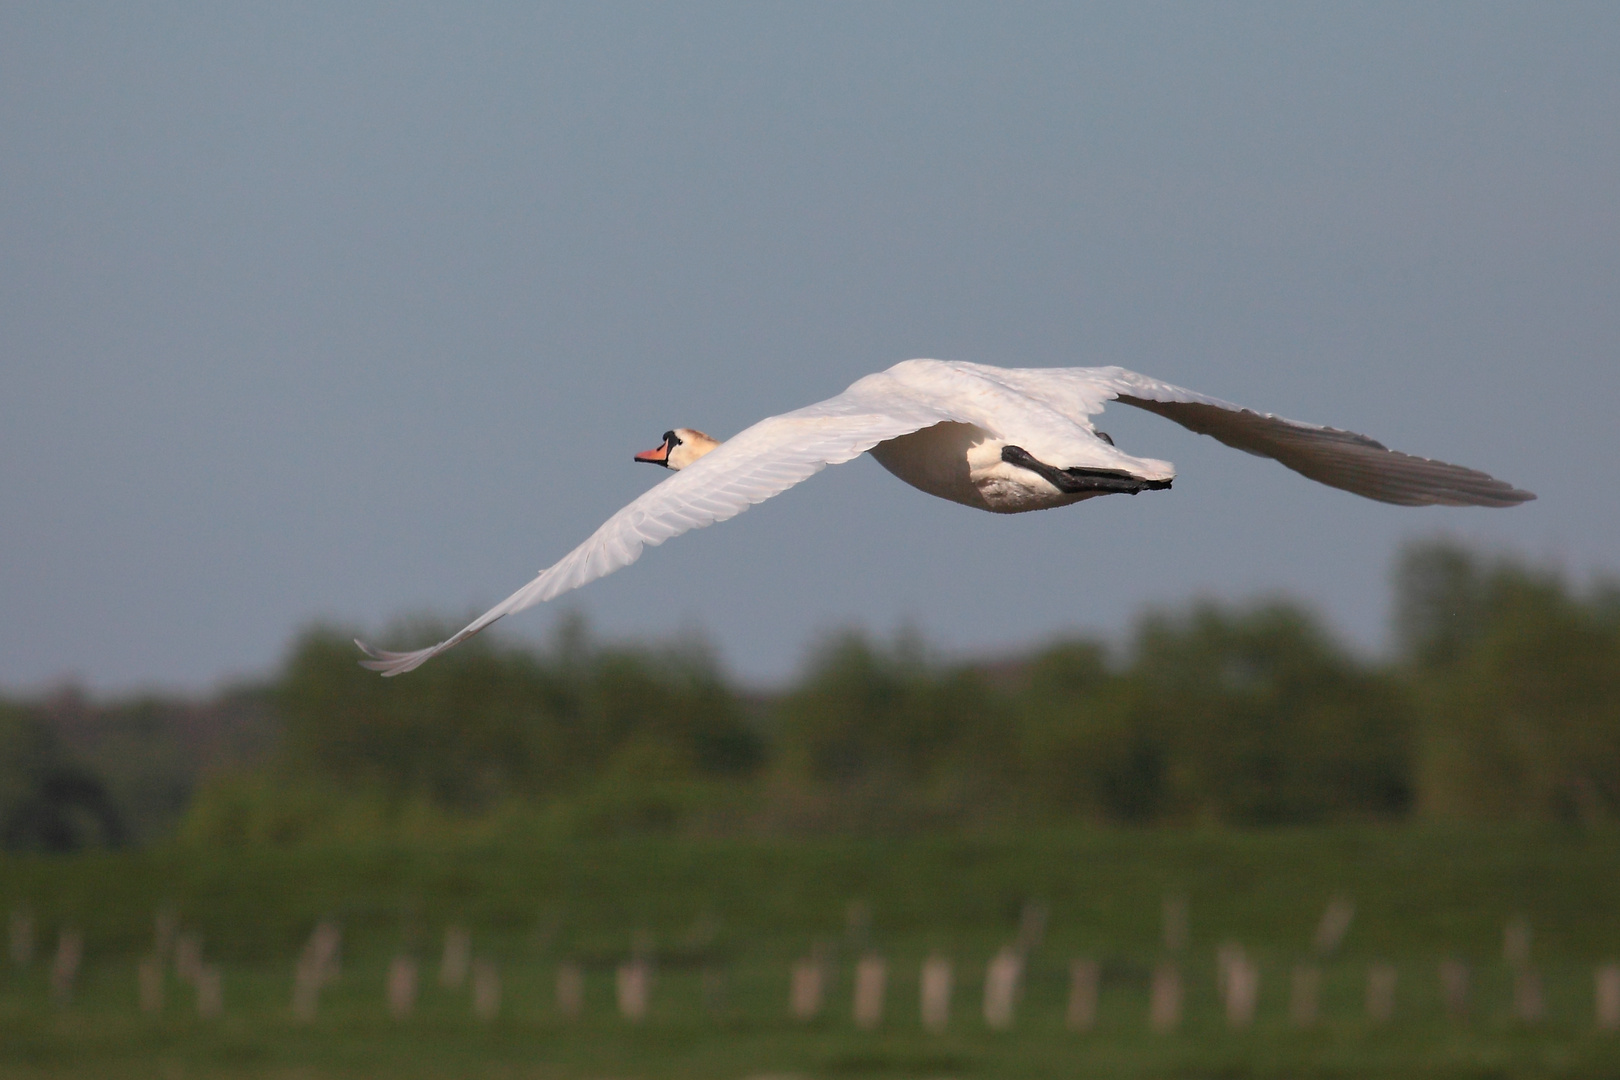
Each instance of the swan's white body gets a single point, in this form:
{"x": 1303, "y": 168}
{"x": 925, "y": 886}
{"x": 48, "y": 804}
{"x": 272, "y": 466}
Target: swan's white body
{"x": 960, "y": 431}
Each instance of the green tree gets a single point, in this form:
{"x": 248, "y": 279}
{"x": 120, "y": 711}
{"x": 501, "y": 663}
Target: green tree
{"x": 893, "y": 737}
{"x": 1518, "y": 691}
{"x": 1084, "y": 747}
{"x": 485, "y": 728}
{"x": 48, "y": 801}
{"x": 1256, "y": 716}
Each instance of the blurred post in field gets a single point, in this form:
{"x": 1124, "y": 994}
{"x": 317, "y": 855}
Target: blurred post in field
{"x": 1305, "y": 987}
{"x": 570, "y": 991}
{"x": 934, "y": 993}
{"x": 805, "y": 991}
{"x": 1528, "y": 1004}
{"x": 317, "y": 965}
{"x": 1001, "y": 980}
{"x": 402, "y": 976}
{"x": 1336, "y": 919}
{"x": 486, "y": 990}
{"x": 456, "y": 958}
{"x": 634, "y": 985}
{"x": 1085, "y": 976}
{"x": 1381, "y": 978}
{"x": 1165, "y": 994}
{"x": 870, "y": 977}
{"x": 1606, "y": 997}
{"x": 1239, "y": 981}
{"x": 65, "y": 968}
{"x": 1164, "y": 1006}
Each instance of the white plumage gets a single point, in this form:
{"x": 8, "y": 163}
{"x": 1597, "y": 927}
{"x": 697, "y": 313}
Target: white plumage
{"x": 1007, "y": 440}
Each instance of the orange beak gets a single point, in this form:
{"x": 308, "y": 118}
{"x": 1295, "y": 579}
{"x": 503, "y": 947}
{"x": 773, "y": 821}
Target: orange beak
{"x": 656, "y": 456}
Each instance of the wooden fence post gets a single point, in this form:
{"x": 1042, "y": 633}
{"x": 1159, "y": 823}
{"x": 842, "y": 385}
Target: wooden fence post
{"x": 1085, "y": 977}
{"x": 1001, "y": 979}
{"x": 1381, "y": 979}
{"x": 65, "y": 968}
{"x": 486, "y": 990}
{"x": 1164, "y": 1008}
{"x": 1336, "y": 919}
{"x": 806, "y": 989}
{"x": 318, "y": 964}
{"x": 1606, "y": 997}
{"x": 402, "y": 978}
{"x": 1240, "y": 985}
{"x": 1528, "y": 1004}
{"x": 870, "y": 975}
{"x": 934, "y": 993}
{"x": 634, "y": 984}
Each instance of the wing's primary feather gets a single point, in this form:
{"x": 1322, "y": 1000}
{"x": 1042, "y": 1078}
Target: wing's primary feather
{"x": 1341, "y": 459}
{"x": 749, "y": 468}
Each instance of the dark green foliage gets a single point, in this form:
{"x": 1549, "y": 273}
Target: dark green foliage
{"x": 1081, "y": 750}
{"x": 1264, "y": 720}
{"x": 1243, "y": 716}
{"x": 76, "y": 773}
{"x": 48, "y": 802}
{"x": 1503, "y": 703}
{"x": 891, "y": 739}
{"x": 616, "y": 728}
{"x": 1439, "y": 612}
{"x": 1519, "y": 684}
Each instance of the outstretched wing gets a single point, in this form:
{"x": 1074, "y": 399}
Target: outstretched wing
{"x": 749, "y": 468}
{"x": 1341, "y": 459}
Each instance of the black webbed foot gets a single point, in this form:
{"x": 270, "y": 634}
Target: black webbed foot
{"x": 1078, "y": 481}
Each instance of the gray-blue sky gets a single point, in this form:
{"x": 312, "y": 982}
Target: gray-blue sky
{"x": 348, "y": 311}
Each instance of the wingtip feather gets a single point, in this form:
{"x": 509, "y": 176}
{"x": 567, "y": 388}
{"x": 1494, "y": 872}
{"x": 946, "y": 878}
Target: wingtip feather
{"x": 389, "y": 664}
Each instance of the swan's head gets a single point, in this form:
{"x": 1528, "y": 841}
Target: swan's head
{"x": 680, "y": 448}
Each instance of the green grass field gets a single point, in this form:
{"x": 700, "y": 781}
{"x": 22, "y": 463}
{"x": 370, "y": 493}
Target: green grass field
{"x": 725, "y": 919}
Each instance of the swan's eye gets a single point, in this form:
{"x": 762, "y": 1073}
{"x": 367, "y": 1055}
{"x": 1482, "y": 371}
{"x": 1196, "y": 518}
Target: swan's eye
{"x": 671, "y": 439}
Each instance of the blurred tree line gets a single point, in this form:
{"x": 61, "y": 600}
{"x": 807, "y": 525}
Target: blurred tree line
{"x": 76, "y": 773}
{"x": 1501, "y": 702}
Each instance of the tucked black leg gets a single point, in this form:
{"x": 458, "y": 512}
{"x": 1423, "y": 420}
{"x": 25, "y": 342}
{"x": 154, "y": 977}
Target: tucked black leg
{"x": 1079, "y": 481}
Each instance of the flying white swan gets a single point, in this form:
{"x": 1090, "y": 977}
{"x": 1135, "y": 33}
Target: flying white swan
{"x": 1000, "y": 439}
